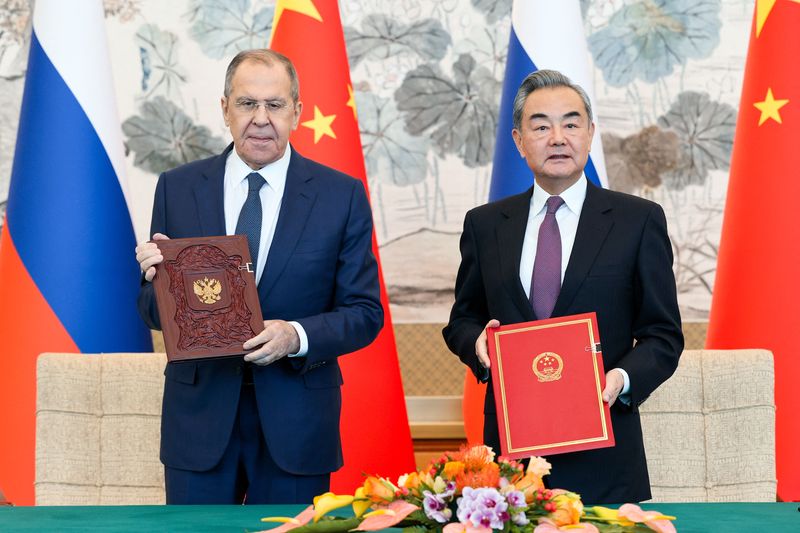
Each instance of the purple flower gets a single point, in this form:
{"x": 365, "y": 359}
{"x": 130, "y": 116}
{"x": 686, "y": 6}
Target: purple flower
{"x": 483, "y": 507}
{"x": 516, "y": 499}
{"x": 435, "y": 506}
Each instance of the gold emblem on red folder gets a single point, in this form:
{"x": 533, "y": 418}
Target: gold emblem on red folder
{"x": 548, "y": 366}
{"x": 208, "y": 290}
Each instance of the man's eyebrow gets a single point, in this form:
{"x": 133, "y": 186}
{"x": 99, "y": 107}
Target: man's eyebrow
{"x": 571, "y": 114}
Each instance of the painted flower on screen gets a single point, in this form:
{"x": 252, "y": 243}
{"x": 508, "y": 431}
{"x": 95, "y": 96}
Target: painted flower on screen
{"x": 647, "y": 39}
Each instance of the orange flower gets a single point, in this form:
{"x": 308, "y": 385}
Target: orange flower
{"x": 476, "y": 457}
{"x": 378, "y": 490}
{"x": 569, "y": 508}
{"x": 528, "y": 485}
{"x": 452, "y": 469}
{"x": 409, "y": 481}
{"x": 488, "y": 476}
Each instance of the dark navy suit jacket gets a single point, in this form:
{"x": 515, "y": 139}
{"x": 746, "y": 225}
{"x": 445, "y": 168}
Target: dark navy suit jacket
{"x": 621, "y": 268}
{"x": 320, "y": 272}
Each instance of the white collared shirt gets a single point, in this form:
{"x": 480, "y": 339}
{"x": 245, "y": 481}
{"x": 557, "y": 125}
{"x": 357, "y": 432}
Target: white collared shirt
{"x": 271, "y": 194}
{"x": 567, "y": 217}
{"x": 235, "y": 189}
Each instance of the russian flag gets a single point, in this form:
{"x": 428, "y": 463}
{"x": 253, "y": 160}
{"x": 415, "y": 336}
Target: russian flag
{"x": 67, "y": 269}
{"x": 545, "y": 34}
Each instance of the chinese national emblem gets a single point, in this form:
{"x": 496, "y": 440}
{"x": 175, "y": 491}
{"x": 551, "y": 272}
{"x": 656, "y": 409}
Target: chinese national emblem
{"x": 208, "y": 290}
{"x": 548, "y": 366}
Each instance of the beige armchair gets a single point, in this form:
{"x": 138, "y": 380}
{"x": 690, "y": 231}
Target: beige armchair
{"x": 97, "y": 429}
{"x": 709, "y": 431}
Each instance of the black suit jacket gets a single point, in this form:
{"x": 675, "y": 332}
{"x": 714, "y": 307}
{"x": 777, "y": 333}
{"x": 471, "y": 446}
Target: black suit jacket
{"x": 320, "y": 271}
{"x": 621, "y": 268}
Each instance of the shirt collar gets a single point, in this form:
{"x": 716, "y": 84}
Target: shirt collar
{"x": 573, "y": 197}
{"x": 274, "y": 173}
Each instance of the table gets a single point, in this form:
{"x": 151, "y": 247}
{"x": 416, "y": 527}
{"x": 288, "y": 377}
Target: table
{"x": 692, "y": 518}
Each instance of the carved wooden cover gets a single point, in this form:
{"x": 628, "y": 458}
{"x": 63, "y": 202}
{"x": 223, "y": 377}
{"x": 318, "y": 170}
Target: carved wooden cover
{"x": 207, "y": 297}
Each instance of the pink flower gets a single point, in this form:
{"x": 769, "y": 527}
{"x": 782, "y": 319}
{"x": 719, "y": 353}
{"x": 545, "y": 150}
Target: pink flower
{"x": 387, "y": 516}
{"x": 290, "y": 523}
{"x": 547, "y": 526}
{"x": 457, "y": 527}
{"x": 652, "y": 519}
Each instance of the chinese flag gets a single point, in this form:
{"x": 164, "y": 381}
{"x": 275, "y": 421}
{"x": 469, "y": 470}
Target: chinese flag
{"x": 375, "y": 433}
{"x": 756, "y": 301}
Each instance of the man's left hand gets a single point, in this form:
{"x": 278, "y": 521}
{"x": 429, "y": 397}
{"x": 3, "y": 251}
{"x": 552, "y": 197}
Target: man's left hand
{"x": 614, "y": 384}
{"x": 278, "y": 340}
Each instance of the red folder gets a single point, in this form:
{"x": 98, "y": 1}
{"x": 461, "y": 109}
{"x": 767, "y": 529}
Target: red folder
{"x": 548, "y": 380}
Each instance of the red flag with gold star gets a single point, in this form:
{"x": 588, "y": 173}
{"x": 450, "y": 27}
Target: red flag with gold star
{"x": 375, "y": 431}
{"x": 756, "y": 298}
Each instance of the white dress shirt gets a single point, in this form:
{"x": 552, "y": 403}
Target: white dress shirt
{"x": 235, "y": 189}
{"x": 567, "y": 218}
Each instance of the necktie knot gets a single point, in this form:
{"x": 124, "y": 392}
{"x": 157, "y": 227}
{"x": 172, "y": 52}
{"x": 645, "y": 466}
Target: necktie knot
{"x": 255, "y": 181}
{"x": 553, "y": 203}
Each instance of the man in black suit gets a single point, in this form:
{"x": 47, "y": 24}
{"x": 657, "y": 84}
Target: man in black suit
{"x": 612, "y": 256}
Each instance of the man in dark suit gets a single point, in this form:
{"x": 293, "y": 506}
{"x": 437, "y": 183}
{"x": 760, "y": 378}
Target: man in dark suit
{"x": 565, "y": 247}
{"x": 265, "y": 428}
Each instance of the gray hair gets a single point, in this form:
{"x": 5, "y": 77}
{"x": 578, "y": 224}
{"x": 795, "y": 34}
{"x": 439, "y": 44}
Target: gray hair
{"x": 544, "y": 79}
{"x": 267, "y": 57}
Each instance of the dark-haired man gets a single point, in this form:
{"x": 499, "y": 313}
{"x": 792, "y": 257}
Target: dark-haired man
{"x": 565, "y": 247}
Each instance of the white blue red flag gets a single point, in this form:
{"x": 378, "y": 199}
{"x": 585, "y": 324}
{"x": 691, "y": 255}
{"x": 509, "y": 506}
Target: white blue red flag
{"x": 545, "y": 34}
{"x": 67, "y": 270}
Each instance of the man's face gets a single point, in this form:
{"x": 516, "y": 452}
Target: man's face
{"x": 260, "y": 112}
{"x": 554, "y": 137}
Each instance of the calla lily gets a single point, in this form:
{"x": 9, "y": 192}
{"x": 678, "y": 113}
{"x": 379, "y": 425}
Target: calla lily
{"x": 652, "y": 519}
{"x": 610, "y": 515}
{"x": 459, "y": 527}
{"x": 360, "y": 503}
{"x": 387, "y": 516}
{"x": 548, "y": 526}
{"x": 328, "y": 502}
{"x": 290, "y": 523}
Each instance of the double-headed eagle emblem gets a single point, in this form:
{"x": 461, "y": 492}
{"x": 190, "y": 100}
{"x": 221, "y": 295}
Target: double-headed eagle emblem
{"x": 208, "y": 290}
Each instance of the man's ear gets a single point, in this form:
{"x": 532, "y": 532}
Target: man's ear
{"x": 517, "y": 136}
{"x": 223, "y": 103}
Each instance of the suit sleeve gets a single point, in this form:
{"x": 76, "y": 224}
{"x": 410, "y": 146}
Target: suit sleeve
{"x": 356, "y": 314}
{"x": 470, "y": 311}
{"x": 146, "y": 302}
{"x": 657, "y": 321}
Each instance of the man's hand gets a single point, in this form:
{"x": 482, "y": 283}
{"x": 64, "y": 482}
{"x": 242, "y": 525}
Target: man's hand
{"x": 279, "y": 339}
{"x": 148, "y": 255}
{"x": 614, "y": 384}
{"x": 482, "y": 345}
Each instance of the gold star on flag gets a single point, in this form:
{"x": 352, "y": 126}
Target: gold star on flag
{"x": 304, "y": 7}
{"x": 769, "y": 108}
{"x": 321, "y": 124}
{"x": 763, "y": 10}
{"x": 351, "y": 102}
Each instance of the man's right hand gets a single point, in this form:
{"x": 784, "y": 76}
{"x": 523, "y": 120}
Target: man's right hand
{"x": 482, "y": 345}
{"x": 148, "y": 255}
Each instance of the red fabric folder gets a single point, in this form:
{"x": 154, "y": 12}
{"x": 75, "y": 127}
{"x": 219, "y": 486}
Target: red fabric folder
{"x": 548, "y": 381}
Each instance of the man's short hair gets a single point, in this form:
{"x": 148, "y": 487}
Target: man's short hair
{"x": 544, "y": 79}
{"x": 267, "y": 57}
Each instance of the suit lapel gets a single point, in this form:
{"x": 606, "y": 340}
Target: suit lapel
{"x": 510, "y": 236}
{"x": 298, "y": 199}
{"x": 209, "y": 194}
{"x": 593, "y": 227}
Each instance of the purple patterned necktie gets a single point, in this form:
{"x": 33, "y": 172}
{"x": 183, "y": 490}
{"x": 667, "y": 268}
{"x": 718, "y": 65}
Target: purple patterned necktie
{"x": 546, "y": 279}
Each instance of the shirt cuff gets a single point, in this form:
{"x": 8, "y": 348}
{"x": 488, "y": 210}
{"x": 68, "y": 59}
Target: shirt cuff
{"x": 303, "y": 340}
{"x": 624, "y": 395}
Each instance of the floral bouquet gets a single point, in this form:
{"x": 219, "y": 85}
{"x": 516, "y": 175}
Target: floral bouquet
{"x": 468, "y": 492}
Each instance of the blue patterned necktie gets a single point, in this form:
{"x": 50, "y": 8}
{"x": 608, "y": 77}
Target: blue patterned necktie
{"x": 546, "y": 279}
{"x": 249, "y": 223}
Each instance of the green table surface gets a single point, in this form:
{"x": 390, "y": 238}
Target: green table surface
{"x": 692, "y": 517}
